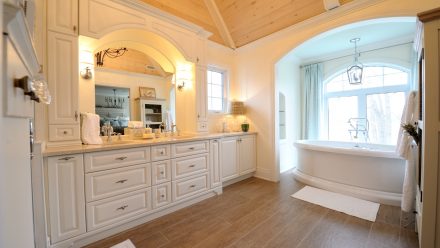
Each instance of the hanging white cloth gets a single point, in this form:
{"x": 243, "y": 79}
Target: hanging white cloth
{"x": 409, "y": 181}
{"x": 90, "y": 129}
{"x": 407, "y": 149}
{"x": 410, "y": 115}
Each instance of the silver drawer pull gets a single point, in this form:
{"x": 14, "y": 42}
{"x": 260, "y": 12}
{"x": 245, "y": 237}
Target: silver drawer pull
{"x": 66, "y": 158}
{"x": 121, "y": 158}
{"x": 122, "y": 207}
{"x": 193, "y": 165}
{"x": 192, "y": 186}
{"x": 122, "y": 181}
{"x": 191, "y": 148}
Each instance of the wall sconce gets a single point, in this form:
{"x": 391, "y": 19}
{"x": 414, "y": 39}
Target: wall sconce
{"x": 86, "y": 73}
{"x": 86, "y": 64}
{"x": 180, "y": 85}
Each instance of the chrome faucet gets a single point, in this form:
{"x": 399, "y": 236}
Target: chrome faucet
{"x": 358, "y": 125}
{"x": 107, "y": 130}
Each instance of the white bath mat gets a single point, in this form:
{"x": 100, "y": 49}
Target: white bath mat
{"x": 352, "y": 206}
{"x": 125, "y": 244}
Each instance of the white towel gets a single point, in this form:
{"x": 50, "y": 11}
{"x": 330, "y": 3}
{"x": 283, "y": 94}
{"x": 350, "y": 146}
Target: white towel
{"x": 410, "y": 115}
{"x": 90, "y": 129}
{"x": 409, "y": 181}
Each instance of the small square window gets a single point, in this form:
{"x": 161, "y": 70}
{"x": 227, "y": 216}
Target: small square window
{"x": 216, "y": 89}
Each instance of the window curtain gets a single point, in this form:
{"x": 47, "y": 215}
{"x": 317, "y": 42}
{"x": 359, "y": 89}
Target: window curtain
{"x": 311, "y": 84}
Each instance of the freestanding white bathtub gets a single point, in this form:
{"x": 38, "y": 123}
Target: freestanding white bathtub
{"x": 367, "y": 171}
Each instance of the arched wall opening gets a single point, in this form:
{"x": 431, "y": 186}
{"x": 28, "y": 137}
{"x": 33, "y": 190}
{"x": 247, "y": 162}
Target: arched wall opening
{"x": 329, "y": 47}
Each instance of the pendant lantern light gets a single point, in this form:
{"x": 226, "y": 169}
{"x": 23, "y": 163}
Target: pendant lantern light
{"x": 354, "y": 72}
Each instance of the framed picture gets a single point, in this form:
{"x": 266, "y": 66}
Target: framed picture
{"x": 147, "y": 92}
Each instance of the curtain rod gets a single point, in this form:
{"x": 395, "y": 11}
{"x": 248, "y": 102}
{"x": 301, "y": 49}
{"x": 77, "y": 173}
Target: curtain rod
{"x": 350, "y": 55}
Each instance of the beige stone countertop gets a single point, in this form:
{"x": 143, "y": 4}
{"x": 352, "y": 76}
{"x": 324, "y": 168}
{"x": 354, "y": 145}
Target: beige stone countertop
{"x": 127, "y": 143}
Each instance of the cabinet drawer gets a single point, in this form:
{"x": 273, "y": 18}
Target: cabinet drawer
{"x": 160, "y": 152}
{"x": 103, "y": 184}
{"x": 161, "y": 195}
{"x": 63, "y": 132}
{"x": 189, "y": 148}
{"x": 112, "y": 159}
{"x": 161, "y": 172}
{"x": 188, "y": 166}
{"x": 189, "y": 186}
{"x": 108, "y": 211}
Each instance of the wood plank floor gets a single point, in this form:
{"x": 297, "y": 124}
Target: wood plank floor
{"x": 258, "y": 213}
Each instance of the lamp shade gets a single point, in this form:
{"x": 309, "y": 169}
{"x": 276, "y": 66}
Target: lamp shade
{"x": 237, "y": 108}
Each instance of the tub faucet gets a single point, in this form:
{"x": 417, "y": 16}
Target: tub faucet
{"x": 358, "y": 125}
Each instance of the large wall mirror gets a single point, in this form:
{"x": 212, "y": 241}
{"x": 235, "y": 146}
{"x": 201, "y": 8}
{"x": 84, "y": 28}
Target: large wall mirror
{"x": 138, "y": 78}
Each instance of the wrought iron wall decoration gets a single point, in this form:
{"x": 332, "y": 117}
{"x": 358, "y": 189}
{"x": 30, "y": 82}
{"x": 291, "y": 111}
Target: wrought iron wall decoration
{"x": 109, "y": 52}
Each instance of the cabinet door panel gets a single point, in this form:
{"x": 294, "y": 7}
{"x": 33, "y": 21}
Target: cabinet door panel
{"x": 215, "y": 163}
{"x": 63, "y": 16}
{"x": 247, "y": 154}
{"x": 229, "y": 158}
{"x": 63, "y": 78}
{"x": 66, "y": 196}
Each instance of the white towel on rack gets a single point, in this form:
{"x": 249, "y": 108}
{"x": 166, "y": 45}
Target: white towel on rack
{"x": 409, "y": 181}
{"x": 410, "y": 115}
{"x": 90, "y": 129}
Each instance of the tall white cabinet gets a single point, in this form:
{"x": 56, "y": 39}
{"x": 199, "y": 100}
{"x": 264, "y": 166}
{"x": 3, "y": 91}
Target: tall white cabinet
{"x": 238, "y": 156}
{"x": 62, "y": 71}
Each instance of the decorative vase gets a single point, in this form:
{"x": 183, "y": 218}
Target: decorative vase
{"x": 245, "y": 127}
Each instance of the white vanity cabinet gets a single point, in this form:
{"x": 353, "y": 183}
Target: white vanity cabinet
{"x": 238, "y": 156}
{"x": 66, "y": 199}
{"x": 62, "y": 16}
{"x": 201, "y": 99}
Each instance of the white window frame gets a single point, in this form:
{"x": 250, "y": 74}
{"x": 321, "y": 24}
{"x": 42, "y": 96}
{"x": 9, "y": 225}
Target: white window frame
{"x": 361, "y": 94}
{"x": 225, "y": 76}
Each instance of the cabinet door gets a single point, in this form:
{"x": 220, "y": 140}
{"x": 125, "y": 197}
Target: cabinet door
{"x": 63, "y": 16}
{"x": 66, "y": 196}
{"x": 63, "y": 78}
{"x": 247, "y": 156}
{"x": 229, "y": 158}
{"x": 214, "y": 163}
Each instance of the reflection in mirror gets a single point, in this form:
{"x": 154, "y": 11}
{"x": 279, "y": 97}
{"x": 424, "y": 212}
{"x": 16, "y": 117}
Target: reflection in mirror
{"x": 145, "y": 80}
{"x": 112, "y": 104}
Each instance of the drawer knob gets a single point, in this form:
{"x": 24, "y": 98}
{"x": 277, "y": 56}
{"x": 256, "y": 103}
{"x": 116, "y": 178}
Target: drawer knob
{"x": 162, "y": 196}
{"x": 193, "y": 165}
{"x": 66, "y": 158}
{"x": 65, "y": 132}
{"x": 192, "y": 186}
{"x": 121, "y": 158}
{"x": 122, "y": 207}
{"x": 191, "y": 148}
{"x": 122, "y": 181}
{"x": 162, "y": 172}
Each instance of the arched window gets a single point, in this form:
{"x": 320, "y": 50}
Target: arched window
{"x": 370, "y": 111}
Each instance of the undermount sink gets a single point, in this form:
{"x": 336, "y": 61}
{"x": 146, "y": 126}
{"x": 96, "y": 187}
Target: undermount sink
{"x": 116, "y": 142}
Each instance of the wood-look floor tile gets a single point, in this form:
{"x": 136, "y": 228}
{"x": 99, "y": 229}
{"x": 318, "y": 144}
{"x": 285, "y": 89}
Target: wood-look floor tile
{"x": 383, "y": 235}
{"x": 258, "y": 213}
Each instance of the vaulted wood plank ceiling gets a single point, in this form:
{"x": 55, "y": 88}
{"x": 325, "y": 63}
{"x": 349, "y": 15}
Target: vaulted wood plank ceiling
{"x": 242, "y": 21}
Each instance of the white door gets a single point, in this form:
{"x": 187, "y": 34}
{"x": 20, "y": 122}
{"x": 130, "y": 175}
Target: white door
{"x": 66, "y": 196}
{"x": 63, "y": 16}
{"x": 63, "y": 78}
{"x": 229, "y": 158}
{"x": 247, "y": 160}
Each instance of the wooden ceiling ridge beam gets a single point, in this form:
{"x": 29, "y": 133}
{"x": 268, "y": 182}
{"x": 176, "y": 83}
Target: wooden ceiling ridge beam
{"x": 220, "y": 23}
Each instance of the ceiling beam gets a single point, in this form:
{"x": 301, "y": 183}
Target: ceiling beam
{"x": 220, "y": 23}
